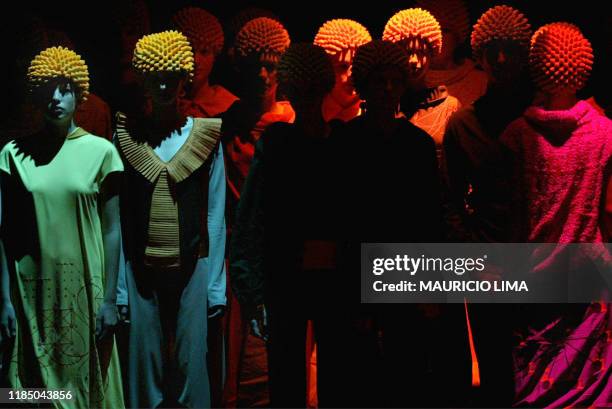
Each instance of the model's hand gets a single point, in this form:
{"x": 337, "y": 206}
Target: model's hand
{"x": 259, "y": 323}
{"x": 124, "y": 314}
{"x": 216, "y": 311}
{"x": 7, "y": 321}
{"x": 106, "y": 321}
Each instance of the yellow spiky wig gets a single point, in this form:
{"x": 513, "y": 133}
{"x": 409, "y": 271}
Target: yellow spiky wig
{"x": 262, "y": 35}
{"x": 414, "y": 23}
{"x": 168, "y": 51}
{"x": 59, "y": 62}
{"x": 201, "y": 28}
{"x": 375, "y": 55}
{"x": 560, "y": 57}
{"x": 500, "y": 23}
{"x": 305, "y": 70}
{"x": 451, "y": 14}
{"x": 341, "y": 34}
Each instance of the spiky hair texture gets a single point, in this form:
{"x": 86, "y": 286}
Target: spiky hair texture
{"x": 168, "y": 51}
{"x": 560, "y": 57}
{"x": 500, "y": 23}
{"x": 244, "y": 16}
{"x": 375, "y": 55}
{"x": 305, "y": 70}
{"x": 341, "y": 34}
{"x": 451, "y": 14}
{"x": 414, "y": 23}
{"x": 262, "y": 35}
{"x": 59, "y": 62}
{"x": 201, "y": 28}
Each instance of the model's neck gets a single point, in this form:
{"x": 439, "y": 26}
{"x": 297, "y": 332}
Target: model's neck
{"x": 166, "y": 113}
{"x": 443, "y": 64}
{"x": 203, "y": 90}
{"x": 559, "y": 102}
{"x": 383, "y": 120}
{"x": 60, "y": 129}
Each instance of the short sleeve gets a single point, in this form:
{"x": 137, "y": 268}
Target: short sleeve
{"x": 112, "y": 162}
{"x": 5, "y": 158}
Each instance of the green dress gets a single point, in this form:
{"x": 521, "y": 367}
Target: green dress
{"x": 52, "y": 231}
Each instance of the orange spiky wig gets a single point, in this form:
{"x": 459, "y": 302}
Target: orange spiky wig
{"x": 262, "y": 35}
{"x": 500, "y": 23}
{"x": 305, "y": 71}
{"x": 245, "y": 15}
{"x": 375, "y": 55}
{"x": 341, "y": 34}
{"x": 59, "y": 62}
{"x": 414, "y": 23}
{"x": 201, "y": 28}
{"x": 168, "y": 51}
{"x": 452, "y": 15}
{"x": 560, "y": 57}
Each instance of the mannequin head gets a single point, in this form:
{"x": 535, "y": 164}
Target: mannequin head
{"x": 418, "y": 32}
{"x": 380, "y": 74}
{"x": 500, "y": 41}
{"x": 454, "y": 20}
{"x": 560, "y": 59}
{"x": 58, "y": 80}
{"x": 305, "y": 75}
{"x": 206, "y": 37}
{"x": 259, "y": 46}
{"x": 340, "y": 38}
{"x": 165, "y": 61}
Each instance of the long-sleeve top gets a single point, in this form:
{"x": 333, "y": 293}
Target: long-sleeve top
{"x": 211, "y": 258}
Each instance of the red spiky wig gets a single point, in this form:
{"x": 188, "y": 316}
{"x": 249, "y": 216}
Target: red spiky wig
{"x": 341, "y": 34}
{"x": 500, "y": 23}
{"x": 233, "y": 26}
{"x": 201, "y": 28}
{"x": 560, "y": 57}
{"x": 262, "y": 35}
{"x": 304, "y": 70}
{"x": 376, "y": 55}
{"x": 451, "y": 14}
{"x": 414, "y": 23}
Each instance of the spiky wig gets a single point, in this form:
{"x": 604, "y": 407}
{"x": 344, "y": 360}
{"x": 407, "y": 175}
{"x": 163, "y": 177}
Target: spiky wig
{"x": 341, "y": 34}
{"x": 500, "y": 23}
{"x": 262, "y": 35}
{"x": 305, "y": 70}
{"x": 201, "y": 28}
{"x": 560, "y": 57}
{"x": 451, "y": 14}
{"x": 245, "y": 15}
{"x": 168, "y": 51}
{"x": 59, "y": 62}
{"x": 414, "y": 23}
{"x": 375, "y": 55}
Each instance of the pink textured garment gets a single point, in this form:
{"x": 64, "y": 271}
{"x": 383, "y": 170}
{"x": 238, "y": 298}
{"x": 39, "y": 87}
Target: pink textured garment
{"x": 562, "y": 157}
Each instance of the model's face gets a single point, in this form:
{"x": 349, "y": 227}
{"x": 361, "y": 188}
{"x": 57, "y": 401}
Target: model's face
{"x": 204, "y": 61}
{"x": 58, "y": 101}
{"x": 259, "y": 72}
{"x": 343, "y": 63}
{"x": 385, "y": 88}
{"x": 503, "y": 63}
{"x": 164, "y": 87}
{"x": 419, "y": 57}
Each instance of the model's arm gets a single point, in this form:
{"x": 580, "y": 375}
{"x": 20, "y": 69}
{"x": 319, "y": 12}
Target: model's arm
{"x": 7, "y": 312}
{"x": 216, "y": 235}
{"x": 107, "y": 315}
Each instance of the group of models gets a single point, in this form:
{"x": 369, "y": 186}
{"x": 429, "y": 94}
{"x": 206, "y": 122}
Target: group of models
{"x": 328, "y": 145}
